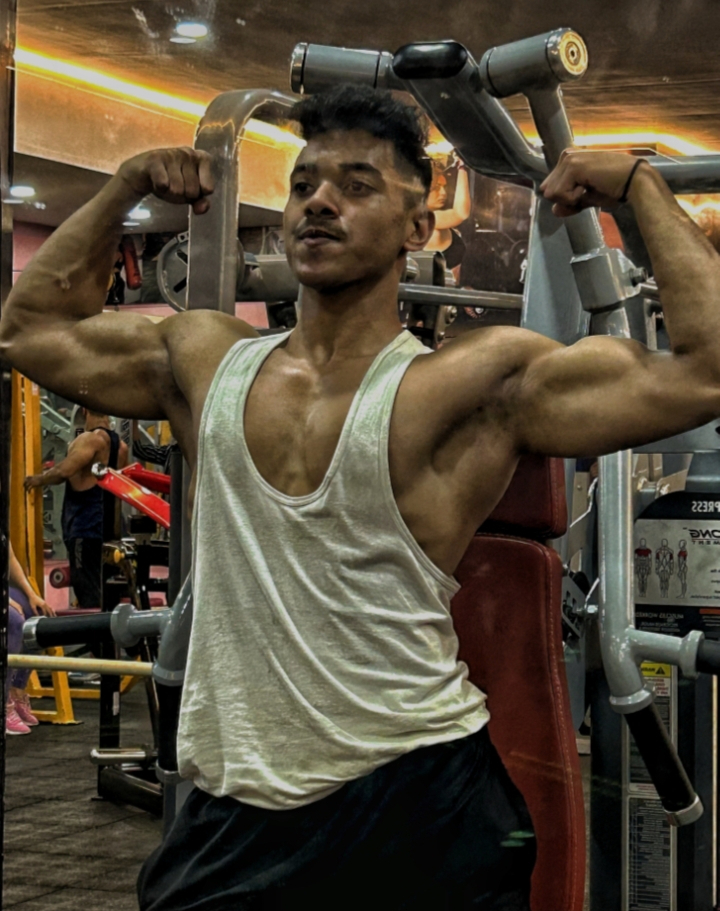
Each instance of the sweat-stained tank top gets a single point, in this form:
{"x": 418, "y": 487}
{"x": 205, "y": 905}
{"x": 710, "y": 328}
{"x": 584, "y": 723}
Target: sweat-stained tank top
{"x": 322, "y": 644}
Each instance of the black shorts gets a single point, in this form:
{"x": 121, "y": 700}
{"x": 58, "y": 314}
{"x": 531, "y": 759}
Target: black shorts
{"x": 440, "y": 829}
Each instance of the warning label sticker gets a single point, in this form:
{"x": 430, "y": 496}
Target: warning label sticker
{"x": 660, "y": 675}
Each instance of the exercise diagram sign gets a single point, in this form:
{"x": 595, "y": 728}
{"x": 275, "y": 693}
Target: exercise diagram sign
{"x": 676, "y": 564}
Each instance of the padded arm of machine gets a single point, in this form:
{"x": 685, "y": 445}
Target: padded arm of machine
{"x": 169, "y": 673}
{"x": 153, "y": 480}
{"x": 45, "y": 632}
{"x": 123, "y": 487}
{"x": 679, "y": 800}
{"x": 708, "y": 657}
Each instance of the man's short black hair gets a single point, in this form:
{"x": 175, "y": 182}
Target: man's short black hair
{"x": 376, "y": 111}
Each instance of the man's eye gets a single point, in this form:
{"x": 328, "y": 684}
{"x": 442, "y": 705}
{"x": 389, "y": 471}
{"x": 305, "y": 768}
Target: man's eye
{"x": 301, "y": 187}
{"x": 358, "y": 186}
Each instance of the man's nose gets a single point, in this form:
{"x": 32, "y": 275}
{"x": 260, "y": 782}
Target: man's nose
{"x": 323, "y": 201}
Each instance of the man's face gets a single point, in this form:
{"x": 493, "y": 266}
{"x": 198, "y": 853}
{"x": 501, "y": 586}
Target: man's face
{"x": 437, "y": 198}
{"x": 348, "y": 218}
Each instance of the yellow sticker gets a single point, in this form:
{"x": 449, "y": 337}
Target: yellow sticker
{"x": 652, "y": 669}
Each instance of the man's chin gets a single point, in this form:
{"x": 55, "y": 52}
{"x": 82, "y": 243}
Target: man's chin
{"x": 322, "y": 281}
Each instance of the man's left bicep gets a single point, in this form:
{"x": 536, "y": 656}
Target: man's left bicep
{"x": 601, "y": 395}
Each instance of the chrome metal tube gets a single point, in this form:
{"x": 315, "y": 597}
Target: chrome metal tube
{"x": 616, "y": 610}
{"x": 213, "y": 250}
{"x": 531, "y": 63}
{"x": 169, "y": 668}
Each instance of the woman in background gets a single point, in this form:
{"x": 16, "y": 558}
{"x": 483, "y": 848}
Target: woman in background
{"x": 24, "y": 603}
{"x": 445, "y": 239}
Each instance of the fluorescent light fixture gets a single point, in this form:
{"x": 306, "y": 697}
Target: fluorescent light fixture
{"x": 13, "y": 202}
{"x": 696, "y": 209}
{"x": 131, "y": 224}
{"x": 20, "y": 192}
{"x": 191, "y": 29}
{"x": 179, "y": 39}
{"x": 140, "y": 213}
{"x": 255, "y": 129}
{"x": 636, "y": 139}
{"x": 110, "y": 83}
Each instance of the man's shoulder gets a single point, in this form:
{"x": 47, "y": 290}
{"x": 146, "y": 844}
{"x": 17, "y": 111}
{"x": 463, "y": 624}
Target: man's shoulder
{"x": 197, "y": 341}
{"x": 199, "y": 326}
{"x": 88, "y": 443}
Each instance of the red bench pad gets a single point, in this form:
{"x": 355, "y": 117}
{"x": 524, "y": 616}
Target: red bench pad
{"x": 507, "y": 617}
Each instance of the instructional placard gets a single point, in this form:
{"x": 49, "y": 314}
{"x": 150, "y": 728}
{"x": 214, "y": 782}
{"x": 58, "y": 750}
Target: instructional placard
{"x": 649, "y": 838}
{"x": 650, "y": 847}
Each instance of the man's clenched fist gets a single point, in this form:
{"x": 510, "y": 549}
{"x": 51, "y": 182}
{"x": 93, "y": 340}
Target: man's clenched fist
{"x": 179, "y": 176}
{"x": 581, "y": 180}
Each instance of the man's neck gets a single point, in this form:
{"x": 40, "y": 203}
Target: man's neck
{"x": 351, "y": 323}
{"x": 99, "y": 425}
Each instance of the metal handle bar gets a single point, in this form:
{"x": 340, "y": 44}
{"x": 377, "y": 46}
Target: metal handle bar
{"x": 680, "y": 802}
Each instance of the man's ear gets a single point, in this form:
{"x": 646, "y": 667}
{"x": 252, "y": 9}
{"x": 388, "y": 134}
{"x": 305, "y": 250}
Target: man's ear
{"x": 423, "y": 225}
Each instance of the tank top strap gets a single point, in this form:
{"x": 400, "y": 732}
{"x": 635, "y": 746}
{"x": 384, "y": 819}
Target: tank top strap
{"x": 235, "y": 375}
{"x": 366, "y": 459}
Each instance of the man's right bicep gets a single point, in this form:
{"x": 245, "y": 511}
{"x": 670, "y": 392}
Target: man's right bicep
{"x": 116, "y": 363}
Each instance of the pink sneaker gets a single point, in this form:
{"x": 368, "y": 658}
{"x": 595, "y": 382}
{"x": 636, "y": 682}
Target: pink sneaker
{"x": 13, "y": 724}
{"x": 22, "y": 707}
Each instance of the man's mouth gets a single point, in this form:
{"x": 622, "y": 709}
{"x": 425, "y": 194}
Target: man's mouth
{"x": 317, "y": 236}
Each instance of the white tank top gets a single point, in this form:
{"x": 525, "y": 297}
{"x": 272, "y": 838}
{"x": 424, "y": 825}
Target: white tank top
{"x": 322, "y": 644}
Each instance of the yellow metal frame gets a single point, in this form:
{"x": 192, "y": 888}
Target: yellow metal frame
{"x": 26, "y": 534}
{"x": 26, "y": 527}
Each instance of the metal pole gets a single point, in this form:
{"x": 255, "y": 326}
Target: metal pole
{"x": 8, "y": 11}
{"x": 107, "y": 667}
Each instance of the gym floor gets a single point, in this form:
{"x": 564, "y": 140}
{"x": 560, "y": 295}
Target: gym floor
{"x": 64, "y": 849}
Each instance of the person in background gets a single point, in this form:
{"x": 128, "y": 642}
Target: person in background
{"x": 445, "y": 239}
{"x": 151, "y": 452}
{"x": 88, "y": 515}
{"x": 24, "y": 603}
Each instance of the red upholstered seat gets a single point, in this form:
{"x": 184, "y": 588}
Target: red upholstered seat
{"x": 508, "y": 619}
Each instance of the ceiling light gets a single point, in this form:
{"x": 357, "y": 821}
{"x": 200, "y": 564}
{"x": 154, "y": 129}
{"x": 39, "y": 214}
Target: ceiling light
{"x": 191, "y": 29}
{"x": 131, "y": 224}
{"x": 140, "y": 213}
{"x": 13, "y": 202}
{"x": 179, "y": 39}
{"x": 20, "y": 192}
{"x": 442, "y": 147}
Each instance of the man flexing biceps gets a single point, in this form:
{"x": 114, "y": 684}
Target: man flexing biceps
{"x": 342, "y": 471}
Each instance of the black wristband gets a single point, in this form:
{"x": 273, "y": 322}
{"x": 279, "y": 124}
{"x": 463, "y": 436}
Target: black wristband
{"x": 626, "y": 189}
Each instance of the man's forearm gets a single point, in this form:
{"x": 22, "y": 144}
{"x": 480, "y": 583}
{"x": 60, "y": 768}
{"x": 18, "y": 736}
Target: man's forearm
{"x": 67, "y": 279}
{"x": 50, "y": 477}
{"x": 685, "y": 265}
